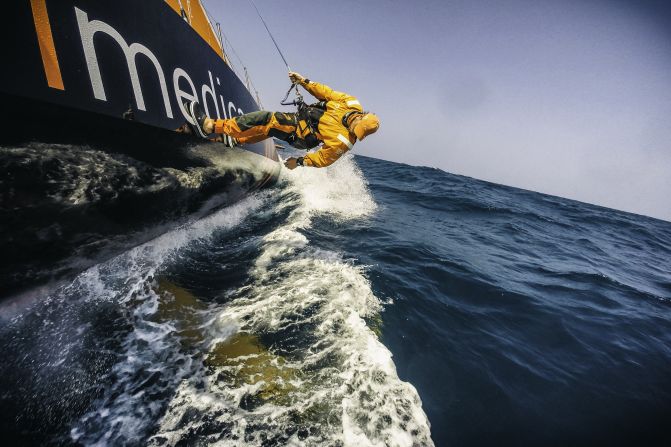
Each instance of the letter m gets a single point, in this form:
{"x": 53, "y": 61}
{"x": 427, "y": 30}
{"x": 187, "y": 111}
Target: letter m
{"x": 87, "y": 30}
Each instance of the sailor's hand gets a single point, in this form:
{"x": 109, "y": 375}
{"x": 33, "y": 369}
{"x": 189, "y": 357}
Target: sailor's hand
{"x": 291, "y": 163}
{"x": 296, "y": 78}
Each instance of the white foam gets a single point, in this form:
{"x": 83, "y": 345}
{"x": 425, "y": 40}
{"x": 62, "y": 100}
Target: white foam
{"x": 340, "y": 385}
{"x": 344, "y": 382}
{"x": 340, "y": 190}
{"x": 124, "y": 412}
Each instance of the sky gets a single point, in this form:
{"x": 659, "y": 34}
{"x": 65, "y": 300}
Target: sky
{"x": 565, "y": 97}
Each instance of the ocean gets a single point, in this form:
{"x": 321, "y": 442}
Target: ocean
{"x": 367, "y": 304}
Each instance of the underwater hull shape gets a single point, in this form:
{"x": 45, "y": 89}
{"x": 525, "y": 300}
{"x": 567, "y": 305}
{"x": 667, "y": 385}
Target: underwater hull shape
{"x": 90, "y": 163}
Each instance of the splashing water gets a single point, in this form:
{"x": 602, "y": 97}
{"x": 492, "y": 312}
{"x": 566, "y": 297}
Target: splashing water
{"x": 289, "y": 356}
{"x": 332, "y": 381}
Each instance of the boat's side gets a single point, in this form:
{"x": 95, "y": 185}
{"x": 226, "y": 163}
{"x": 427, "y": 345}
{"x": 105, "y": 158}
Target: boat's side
{"x": 82, "y": 197}
{"x": 114, "y": 57}
{"x": 90, "y": 164}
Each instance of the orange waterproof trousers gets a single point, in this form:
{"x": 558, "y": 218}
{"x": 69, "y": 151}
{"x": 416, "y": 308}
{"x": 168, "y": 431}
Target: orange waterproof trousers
{"x": 257, "y": 126}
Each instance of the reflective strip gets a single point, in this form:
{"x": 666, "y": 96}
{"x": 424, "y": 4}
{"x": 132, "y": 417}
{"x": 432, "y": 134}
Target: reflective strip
{"x": 344, "y": 139}
{"x": 353, "y": 102}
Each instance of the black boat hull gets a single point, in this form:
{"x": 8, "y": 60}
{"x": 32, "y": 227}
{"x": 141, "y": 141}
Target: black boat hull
{"x": 91, "y": 165}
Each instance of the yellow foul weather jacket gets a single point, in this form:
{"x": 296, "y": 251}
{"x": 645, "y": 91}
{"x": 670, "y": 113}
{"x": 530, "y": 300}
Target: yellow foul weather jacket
{"x": 331, "y": 129}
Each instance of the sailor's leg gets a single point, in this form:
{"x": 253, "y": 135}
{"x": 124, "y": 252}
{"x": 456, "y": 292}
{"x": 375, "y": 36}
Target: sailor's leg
{"x": 251, "y": 140}
{"x": 247, "y": 125}
{"x": 256, "y": 126}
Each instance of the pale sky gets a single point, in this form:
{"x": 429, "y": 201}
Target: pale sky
{"x": 566, "y": 97}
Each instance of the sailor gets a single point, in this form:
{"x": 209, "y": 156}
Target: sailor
{"x": 337, "y": 121}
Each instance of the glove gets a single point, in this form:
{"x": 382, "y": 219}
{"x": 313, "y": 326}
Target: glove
{"x": 293, "y": 162}
{"x": 296, "y": 78}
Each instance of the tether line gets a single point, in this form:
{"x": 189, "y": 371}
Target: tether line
{"x": 270, "y": 34}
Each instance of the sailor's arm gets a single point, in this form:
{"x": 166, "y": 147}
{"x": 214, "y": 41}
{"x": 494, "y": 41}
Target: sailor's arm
{"x": 320, "y": 159}
{"x": 324, "y": 156}
{"x": 324, "y": 92}
{"x": 319, "y": 91}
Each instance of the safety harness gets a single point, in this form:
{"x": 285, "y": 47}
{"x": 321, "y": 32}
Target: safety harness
{"x": 310, "y": 115}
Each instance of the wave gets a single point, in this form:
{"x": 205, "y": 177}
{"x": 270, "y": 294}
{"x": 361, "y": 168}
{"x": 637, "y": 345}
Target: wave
{"x": 290, "y": 356}
{"x": 326, "y": 378}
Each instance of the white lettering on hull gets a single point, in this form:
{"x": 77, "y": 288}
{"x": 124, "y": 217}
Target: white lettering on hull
{"x": 209, "y": 90}
{"x": 231, "y": 109}
{"x": 181, "y": 94}
{"x": 89, "y": 28}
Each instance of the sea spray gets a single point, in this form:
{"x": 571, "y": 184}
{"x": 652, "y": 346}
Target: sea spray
{"x": 150, "y": 363}
{"x": 332, "y": 381}
{"x": 520, "y": 318}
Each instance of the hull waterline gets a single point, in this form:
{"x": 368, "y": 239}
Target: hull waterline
{"x": 90, "y": 161}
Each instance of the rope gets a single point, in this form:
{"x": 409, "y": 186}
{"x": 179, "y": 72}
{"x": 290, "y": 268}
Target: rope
{"x": 244, "y": 67}
{"x": 235, "y": 53}
{"x": 212, "y": 19}
{"x": 270, "y": 34}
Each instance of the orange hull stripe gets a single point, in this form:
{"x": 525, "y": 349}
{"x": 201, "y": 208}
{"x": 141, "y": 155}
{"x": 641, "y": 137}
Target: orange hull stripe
{"x": 46, "y": 41}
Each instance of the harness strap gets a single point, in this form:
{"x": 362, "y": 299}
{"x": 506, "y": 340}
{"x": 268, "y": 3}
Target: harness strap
{"x": 303, "y": 115}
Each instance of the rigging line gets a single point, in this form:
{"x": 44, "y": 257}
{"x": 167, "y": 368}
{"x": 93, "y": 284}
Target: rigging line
{"x": 235, "y": 53}
{"x": 247, "y": 77}
{"x": 223, "y": 34}
{"x": 270, "y": 34}
{"x": 211, "y": 19}
{"x": 182, "y": 12}
{"x": 244, "y": 67}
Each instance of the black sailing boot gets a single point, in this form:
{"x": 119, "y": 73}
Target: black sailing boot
{"x": 197, "y": 116}
{"x": 229, "y": 141}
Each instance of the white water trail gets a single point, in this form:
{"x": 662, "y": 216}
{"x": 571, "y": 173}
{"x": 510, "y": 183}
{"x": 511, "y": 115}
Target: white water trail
{"x": 151, "y": 362}
{"x": 327, "y": 379}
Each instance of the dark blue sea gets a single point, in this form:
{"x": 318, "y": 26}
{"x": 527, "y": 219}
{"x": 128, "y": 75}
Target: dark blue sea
{"x": 367, "y": 304}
